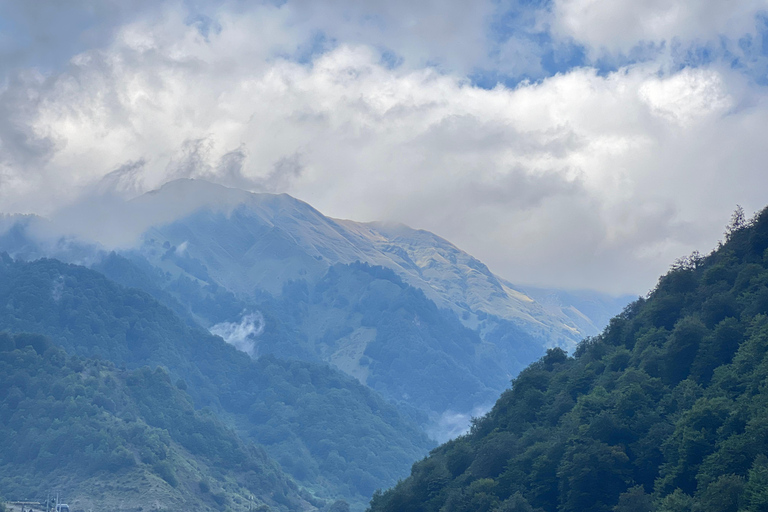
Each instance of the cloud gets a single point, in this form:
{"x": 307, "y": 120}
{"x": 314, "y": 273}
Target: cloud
{"x": 243, "y": 334}
{"x": 451, "y": 425}
{"x": 620, "y": 26}
{"x": 46, "y": 33}
{"x": 686, "y": 96}
{"x": 195, "y": 160}
{"x": 451, "y": 34}
{"x": 582, "y": 179}
{"x": 124, "y": 181}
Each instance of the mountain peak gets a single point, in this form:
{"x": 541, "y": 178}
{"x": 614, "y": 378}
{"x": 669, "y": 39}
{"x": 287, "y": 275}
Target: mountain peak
{"x": 189, "y": 194}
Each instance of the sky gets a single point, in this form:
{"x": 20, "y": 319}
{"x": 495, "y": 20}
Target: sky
{"x": 565, "y": 143}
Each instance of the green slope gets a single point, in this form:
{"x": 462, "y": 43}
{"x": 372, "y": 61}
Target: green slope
{"x": 107, "y": 438}
{"x": 367, "y": 322}
{"x": 333, "y": 434}
{"x": 667, "y": 410}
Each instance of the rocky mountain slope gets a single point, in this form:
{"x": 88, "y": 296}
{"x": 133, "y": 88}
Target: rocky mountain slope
{"x": 222, "y": 257}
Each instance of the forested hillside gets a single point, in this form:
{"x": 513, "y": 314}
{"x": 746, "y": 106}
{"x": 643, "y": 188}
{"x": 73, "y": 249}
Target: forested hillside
{"x": 666, "y": 410}
{"x": 366, "y": 321}
{"x": 108, "y": 438}
{"x": 331, "y": 433}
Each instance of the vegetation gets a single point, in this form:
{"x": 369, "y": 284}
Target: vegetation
{"x": 78, "y": 425}
{"x": 667, "y": 410}
{"x": 330, "y": 432}
{"x": 418, "y": 356}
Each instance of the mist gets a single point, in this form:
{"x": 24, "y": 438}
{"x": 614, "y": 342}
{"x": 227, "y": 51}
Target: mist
{"x": 243, "y": 334}
{"x": 451, "y": 424}
{"x": 102, "y": 221}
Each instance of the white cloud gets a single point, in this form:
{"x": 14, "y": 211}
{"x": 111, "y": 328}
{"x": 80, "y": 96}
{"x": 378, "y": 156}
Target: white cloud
{"x": 242, "y": 335}
{"x": 618, "y": 26}
{"x": 580, "y": 180}
{"x": 686, "y": 96}
{"x": 451, "y": 425}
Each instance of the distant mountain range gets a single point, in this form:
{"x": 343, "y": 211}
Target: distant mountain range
{"x": 220, "y": 255}
{"x": 433, "y": 336}
{"x": 260, "y": 241}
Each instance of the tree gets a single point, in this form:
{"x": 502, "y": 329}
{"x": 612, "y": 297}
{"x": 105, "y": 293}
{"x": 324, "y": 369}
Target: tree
{"x": 738, "y": 222}
{"x": 634, "y": 500}
{"x": 678, "y": 501}
{"x": 592, "y": 476}
{"x": 515, "y": 503}
{"x": 756, "y": 489}
{"x": 722, "y": 495}
{"x": 681, "y": 348}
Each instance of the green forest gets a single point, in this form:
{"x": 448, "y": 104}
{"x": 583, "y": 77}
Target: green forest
{"x": 93, "y": 429}
{"x": 665, "y": 411}
{"x": 333, "y": 435}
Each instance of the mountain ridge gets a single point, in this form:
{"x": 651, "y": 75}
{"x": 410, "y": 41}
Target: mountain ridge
{"x": 423, "y": 259}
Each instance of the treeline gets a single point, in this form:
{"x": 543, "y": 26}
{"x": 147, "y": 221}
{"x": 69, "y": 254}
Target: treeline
{"x": 666, "y": 411}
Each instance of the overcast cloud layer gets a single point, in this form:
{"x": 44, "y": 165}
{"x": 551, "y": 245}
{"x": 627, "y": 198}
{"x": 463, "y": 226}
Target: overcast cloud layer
{"x": 579, "y": 143}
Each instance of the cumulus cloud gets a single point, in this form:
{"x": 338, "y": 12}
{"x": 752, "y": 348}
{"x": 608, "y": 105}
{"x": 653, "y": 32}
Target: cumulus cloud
{"x": 44, "y": 34}
{"x": 582, "y": 179}
{"x": 686, "y": 96}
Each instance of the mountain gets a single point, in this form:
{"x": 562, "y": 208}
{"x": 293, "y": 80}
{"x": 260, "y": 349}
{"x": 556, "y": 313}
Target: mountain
{"x": 260, "y": 247}
{"x": 105, "y": 438}
{"x": 666, "y": 410}
{"x": 436, "y": 320}
{"x": 261, "y": 241}
{"x": 366, "y": 321}
{"x": 336, "y": 437}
